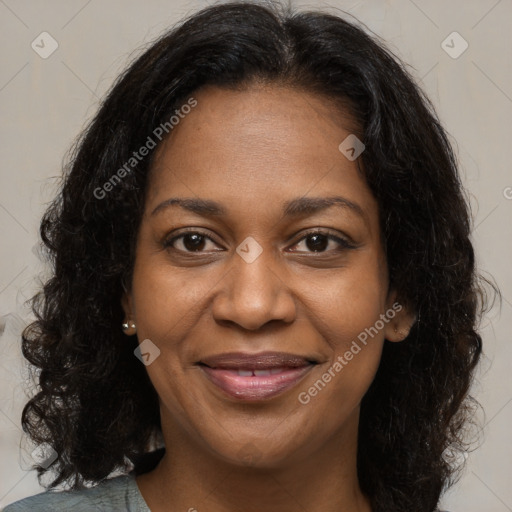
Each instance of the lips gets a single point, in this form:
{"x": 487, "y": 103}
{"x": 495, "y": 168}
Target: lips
{"x": 255, "y": 376}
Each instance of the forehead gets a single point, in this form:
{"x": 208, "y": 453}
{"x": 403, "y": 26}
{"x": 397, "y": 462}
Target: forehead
{"x": 254, "y": 148}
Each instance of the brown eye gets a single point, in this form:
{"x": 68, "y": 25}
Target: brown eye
{"x": 191, "y": 241}
{"x": 318, "y": 241}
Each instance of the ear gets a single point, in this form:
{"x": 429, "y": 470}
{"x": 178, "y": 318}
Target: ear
{"x": 401, "y": 319}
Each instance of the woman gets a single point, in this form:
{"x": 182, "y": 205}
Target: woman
{"x": 196, "y": 335}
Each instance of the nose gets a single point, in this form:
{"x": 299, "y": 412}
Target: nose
{"x": 254, "y": 294}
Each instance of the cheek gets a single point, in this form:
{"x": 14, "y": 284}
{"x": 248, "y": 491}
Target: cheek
{"x": 355, "y": 352}
{"x": 335, "y": 392}
{"x": 346, "y": 303}
{"x": 348, "y": 314}
{"x": 166, "y": 310}
{"x": 166, "y": 300}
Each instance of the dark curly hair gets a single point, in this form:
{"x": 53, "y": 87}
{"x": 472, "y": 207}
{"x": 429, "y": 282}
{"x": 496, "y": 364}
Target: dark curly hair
{"x": 96, "y": 406}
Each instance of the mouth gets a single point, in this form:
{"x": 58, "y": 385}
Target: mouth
{"x": 255, "y": 377}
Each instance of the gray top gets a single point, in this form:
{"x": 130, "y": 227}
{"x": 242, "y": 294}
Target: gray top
{"x": 119, "y": 494}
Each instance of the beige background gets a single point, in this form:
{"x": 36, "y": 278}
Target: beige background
{"x": 45, "y": 103}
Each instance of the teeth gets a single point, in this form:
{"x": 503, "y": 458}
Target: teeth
{"x": 259, "y": 373}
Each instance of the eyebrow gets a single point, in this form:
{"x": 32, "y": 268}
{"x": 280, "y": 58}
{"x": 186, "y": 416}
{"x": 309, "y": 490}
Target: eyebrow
{"x": 297, "y": 207}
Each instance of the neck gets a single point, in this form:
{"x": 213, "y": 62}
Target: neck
{"x": 193, "y": 478}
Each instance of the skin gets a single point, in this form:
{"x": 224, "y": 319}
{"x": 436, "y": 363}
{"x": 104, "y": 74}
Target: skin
{"x": 251, "y": 151}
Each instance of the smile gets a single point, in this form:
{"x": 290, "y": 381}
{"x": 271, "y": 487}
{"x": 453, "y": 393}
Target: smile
{"x": 255, "y": 377}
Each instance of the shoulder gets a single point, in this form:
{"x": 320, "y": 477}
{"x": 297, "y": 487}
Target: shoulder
{"x": 119, "y": 493}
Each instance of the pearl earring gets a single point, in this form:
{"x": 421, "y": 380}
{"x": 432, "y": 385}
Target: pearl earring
{"x": 129, "y": 325}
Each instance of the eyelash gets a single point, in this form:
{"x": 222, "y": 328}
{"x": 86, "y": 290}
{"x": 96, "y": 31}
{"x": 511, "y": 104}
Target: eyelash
{"x": 345, "y": 244}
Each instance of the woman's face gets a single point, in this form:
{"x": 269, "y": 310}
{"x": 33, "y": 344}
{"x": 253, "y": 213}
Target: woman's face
{"x": 249, "y": 280}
